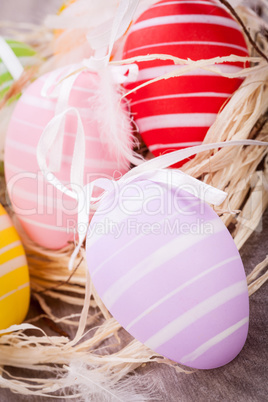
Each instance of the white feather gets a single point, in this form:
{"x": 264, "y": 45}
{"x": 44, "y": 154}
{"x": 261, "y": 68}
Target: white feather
{"x": 87, "y": 384}
{"x": 115, "y": 124}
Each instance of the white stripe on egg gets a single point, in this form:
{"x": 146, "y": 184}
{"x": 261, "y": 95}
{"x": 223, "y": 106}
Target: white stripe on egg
{"x": 134, "y": 239}
{"x": 25, "y": 285}
{"x": 46, "y": 226}
{"x": 187, "y": 95}
{"x": 45, "y": 199}
{"x": 93, "y": 163}
{"x": 213, "y": 341}
{"x": 178, "y": 289}
{"x": 173, "y": 145}
{"x": 170, "y": 3}
{"x": 193, "y": 43}
{"x": 27, "y": 123}
{"x": 186, "y": 19}
{"x": 155, "y": 260}
{"x": 10, "y": 247}
{"x": 17, "y": 169}
{"x": 153, "y": 72}
{"x": 15, "y": 263}
{"x": 176, "y": 120}
{"x": 192, "y": 315}
{"x": 45, "y": 104}
{"x": 5, "y": 222}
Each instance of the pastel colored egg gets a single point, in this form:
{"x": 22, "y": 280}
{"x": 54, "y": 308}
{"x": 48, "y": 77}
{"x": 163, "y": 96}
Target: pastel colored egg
{"x": 168, "y": 270}
{"x": 27, "y": 57}
{"x": 14, "y": 275}
{"x": 176, "y": 113}
{"x": 49, "y": 216}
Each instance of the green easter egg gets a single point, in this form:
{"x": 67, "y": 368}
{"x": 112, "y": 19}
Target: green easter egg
{"x": 27, "y": 57}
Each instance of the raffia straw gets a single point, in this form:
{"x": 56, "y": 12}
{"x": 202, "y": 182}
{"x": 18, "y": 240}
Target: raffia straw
{"x": 231, "y": 169}
{"x": 18, "y": 86}
{"x": 37, "y": 36}
{"x": 255, "y": 279}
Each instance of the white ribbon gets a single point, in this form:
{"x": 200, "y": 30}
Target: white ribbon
{"x": 101, "y": 37}
{"x": 45, "y": 144}
{"x": 59, "y": 87}
{"x": 10, "y": 60}
{"x": 151, "y": 170}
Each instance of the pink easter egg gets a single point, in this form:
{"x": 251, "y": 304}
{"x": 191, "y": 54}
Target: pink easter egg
{"x": 48, "y": 216}
{"x": 176, "y": 113}
{"x": 168, "y": 270}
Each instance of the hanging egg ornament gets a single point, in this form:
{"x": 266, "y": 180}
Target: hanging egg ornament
{"x": 168, "y": 270}
{"x": 176, "y": 113}
{"x": 14, "y": 275}
{"x": 48, "y": 216}
{"x": 27, "y": 57}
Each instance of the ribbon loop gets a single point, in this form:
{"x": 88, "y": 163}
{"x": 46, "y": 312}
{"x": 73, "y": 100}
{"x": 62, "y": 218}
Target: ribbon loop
{"x": 59, "y": 87}
{"x": 176, "y": 178}
{"x": 96, "y": 64}
{"x": 154, "y": 169}
{"x": 47, "y": 140}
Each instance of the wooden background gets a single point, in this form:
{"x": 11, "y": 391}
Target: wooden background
{"x": 244, "y": 379}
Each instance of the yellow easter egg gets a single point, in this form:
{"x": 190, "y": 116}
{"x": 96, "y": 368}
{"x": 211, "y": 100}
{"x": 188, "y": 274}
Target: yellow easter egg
{"x": 14, "y": 275}
{"x": 64, "y": 5}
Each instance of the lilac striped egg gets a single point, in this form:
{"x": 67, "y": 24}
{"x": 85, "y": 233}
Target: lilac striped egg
{"x": 168, "y": 270}
{"x": 49, "y": 216}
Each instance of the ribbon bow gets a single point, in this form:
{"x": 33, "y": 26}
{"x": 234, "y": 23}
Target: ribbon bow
{"x": 60, "y": 88}
{"x": 152, "y": 169}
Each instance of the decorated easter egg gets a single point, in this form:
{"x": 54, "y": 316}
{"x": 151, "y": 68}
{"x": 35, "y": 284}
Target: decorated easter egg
{"x": 177, "y": 112}
{"x": 49, "y": 216}
{"x": 27, "y": 57}
{"x": 14, "y": 275}
{"x": 168, "y": 270}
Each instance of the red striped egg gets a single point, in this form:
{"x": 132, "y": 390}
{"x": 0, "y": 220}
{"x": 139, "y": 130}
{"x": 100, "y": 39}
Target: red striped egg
{"x": 48, "y": 216}
{"x": 176, "y": 113}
